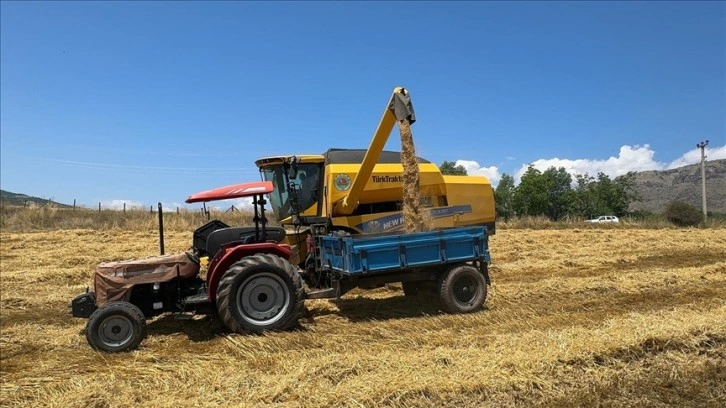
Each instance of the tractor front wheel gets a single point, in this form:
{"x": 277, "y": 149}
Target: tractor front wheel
{"x": 462, "y": 289}
{"x": 259, "y": 293}
{"x": 116, "y": 327}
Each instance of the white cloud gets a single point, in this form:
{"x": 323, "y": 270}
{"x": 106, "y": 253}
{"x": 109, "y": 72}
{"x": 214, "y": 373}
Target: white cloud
{"x": 119, "y": 204}
{"x": 629, "y": 158}
{"x": 474, "y": 169}
{"x": 694, "y": 156}
{"x": 171, "y": 207}
{"x": 242, "y": 204}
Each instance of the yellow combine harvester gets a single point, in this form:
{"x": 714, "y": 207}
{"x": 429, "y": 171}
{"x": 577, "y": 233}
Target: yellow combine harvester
{"x": 360, "y": 191}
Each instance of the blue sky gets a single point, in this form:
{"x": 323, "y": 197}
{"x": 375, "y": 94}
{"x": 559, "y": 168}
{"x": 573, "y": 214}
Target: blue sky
{"x": 149, "y": 102}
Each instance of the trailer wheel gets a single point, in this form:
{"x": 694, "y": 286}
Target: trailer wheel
{"x": 116, "y": 327}
{"x": 260, "y": 292}
{"x": 462, "y": 289}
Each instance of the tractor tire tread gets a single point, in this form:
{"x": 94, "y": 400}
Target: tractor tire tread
{"x": 226, "y": 284}
{"x": 120, "y": 307}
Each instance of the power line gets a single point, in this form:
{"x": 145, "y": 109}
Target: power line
{"x": 131, "y": 169}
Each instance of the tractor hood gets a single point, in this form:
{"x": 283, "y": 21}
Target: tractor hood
{"x": 232, "y": 191}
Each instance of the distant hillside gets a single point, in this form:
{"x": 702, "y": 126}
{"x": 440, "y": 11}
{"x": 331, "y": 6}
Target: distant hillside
{"x": 8, "y": 198}
{"x": 658, "y": 188}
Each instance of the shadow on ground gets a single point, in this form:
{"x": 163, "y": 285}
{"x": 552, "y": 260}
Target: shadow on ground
{"x": 363, "y": 309}
{"x": 205, "y": 328}
{"x": 198, "y": 329}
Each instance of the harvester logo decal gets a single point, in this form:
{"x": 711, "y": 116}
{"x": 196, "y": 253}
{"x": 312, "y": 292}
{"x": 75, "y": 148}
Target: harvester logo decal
{"x": 342, "y": 182}
{"x": 374, "y": 226}
{"x": 387, "y": 179}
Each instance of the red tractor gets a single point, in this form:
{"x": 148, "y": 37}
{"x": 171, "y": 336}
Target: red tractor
{"x": 249, "y": 281}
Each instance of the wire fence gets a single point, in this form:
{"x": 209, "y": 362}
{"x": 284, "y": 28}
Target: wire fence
{"x": 123, "y": 207}
{"x": 52, "y": 216}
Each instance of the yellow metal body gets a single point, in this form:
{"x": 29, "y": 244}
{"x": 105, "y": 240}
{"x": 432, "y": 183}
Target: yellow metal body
{"x": 452, "y": 200}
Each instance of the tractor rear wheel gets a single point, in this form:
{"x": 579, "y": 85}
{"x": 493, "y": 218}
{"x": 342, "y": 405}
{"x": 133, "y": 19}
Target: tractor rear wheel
{"x": 262, "y": 292}
{"x": 116, "y": 327}
{"x": 462, "y": 289}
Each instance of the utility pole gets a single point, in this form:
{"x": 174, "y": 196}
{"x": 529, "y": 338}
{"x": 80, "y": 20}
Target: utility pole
{"x": 703, "y": 145}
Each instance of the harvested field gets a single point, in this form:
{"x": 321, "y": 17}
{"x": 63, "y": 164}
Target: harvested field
{"x": 576, "y": 317}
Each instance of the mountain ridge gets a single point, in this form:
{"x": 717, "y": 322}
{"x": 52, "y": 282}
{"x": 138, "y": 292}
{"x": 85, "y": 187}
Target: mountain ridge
{"x": 657, "y": 188}
{"x": 19, "y": 199}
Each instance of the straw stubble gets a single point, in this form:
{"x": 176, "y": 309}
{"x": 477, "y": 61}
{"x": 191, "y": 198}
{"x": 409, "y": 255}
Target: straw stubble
{"x": 576, "y": 317}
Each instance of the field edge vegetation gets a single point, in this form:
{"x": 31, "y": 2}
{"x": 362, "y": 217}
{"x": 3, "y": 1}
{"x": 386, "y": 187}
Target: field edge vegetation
{"x": 50, "y": 217}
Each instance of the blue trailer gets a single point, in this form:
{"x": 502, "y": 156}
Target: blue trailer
{"x": 451, "y": 263}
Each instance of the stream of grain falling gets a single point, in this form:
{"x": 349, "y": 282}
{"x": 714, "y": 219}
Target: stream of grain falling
{"x": 415, "y": 220}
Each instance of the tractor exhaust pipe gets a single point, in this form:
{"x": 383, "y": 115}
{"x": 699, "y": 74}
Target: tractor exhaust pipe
{"x": 161, "y": 230}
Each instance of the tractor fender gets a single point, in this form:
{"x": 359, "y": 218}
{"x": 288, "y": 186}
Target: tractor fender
{"x": 228, "y": 255}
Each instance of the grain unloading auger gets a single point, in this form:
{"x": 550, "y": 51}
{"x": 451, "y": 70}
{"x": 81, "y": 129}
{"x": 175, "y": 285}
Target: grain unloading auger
{"x": 255, "y": 280}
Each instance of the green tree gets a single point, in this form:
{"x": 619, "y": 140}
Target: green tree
{"x": 622, "y": 194}
{"x": 530, "y": 197}
{"x": 547, "y": 193}
{"x": 451, "y": 168}
{"x": 604, "y": 195}
{"x": 558, "y": 185}
{"x": 586, "y": 200}
{"x": 503, "y": 196}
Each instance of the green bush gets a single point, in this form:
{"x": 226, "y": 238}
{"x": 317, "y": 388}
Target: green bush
{"x": 683, "y": 214}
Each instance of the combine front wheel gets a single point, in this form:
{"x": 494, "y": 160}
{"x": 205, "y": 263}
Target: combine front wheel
{"x": 260, "y": 292}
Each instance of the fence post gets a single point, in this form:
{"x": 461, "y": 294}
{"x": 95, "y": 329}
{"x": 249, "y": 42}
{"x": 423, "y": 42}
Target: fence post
{"x": 151, "y": 209}
{"x": 99, "y": 206}
{"x": 124, "y": 207}
{"x": 74, "y": 204}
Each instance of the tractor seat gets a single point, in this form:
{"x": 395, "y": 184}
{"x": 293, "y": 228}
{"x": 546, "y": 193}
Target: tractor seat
{"x": 244, "y": 235}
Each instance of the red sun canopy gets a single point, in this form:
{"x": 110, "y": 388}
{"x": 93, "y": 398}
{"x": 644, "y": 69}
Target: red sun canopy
{"x": 232, "y": 191}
